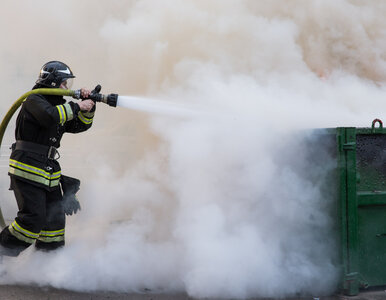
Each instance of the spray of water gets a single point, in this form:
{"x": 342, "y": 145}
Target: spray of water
{"x": 159, "y": 107}
{"x": 174, "y": 197}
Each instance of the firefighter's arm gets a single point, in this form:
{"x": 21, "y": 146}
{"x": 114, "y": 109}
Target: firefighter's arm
{"x": 48, "y": 115}
{"x": 84, "y": 119}
{"x": 85, "y": 116}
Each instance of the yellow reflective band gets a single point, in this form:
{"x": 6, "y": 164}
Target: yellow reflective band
{"x": 88, "y": 114}
{"x": 69, "y": 113}
{"x": 62, "y": 114}
{"x": 20, "y": 236}
{"x": 32, "y": 169}
{"x": 33, "y": 177}
{"x": 52, "y": 233}
{"x": 58, "y": 107}
{"x": 85, "y": 120}
{"x": 49, "y": 239}
{"x": 24, "y": 231}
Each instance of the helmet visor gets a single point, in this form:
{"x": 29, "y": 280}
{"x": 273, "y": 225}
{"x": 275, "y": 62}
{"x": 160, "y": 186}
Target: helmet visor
{"x": 67, "y": 83}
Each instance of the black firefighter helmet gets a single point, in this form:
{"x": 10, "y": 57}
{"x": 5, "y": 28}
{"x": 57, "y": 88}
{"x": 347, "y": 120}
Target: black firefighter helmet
{"x": 54, "y": 73}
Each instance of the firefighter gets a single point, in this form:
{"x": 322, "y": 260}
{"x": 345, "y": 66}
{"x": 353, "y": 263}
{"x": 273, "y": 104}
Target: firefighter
{"x": 34, "y": 170}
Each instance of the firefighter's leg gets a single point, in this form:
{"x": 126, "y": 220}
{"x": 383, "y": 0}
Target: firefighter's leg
{"x": 52, "y": 235}
{"x": 26, "y": 227}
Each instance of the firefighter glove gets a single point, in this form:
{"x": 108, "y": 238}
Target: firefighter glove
{"x": 70, "y": 187}
{"x": 71, "y": 205}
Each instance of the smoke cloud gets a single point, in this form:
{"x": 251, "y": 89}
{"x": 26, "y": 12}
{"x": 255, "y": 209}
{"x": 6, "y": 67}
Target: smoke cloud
{"x": 228, "y": 201}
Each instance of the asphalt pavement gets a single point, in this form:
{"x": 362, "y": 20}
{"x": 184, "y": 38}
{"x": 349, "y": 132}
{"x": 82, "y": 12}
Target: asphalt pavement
{"x": 17, "y": 292}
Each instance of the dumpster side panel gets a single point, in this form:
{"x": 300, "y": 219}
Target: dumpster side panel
{"x": 371, "y": 198}
{"x": 362, "y": 169}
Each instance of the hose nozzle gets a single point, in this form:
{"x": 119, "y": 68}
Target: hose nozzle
{"x": 110, "y": 99}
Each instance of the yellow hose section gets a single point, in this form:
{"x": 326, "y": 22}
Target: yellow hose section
{"x": 15, "y": 106}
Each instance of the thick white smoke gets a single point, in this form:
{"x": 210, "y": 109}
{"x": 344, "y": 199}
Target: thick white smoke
{"x": 223, "y": 203}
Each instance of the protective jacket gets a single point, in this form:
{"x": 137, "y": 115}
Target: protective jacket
{"x": 35, "y": 173}
{"x": 40, "y": 125}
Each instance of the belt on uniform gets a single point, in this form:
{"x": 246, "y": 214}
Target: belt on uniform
{"x": 49, "y": 151}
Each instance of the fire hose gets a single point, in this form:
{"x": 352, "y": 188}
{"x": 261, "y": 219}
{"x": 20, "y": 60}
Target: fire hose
{"x": 110, "y": 99}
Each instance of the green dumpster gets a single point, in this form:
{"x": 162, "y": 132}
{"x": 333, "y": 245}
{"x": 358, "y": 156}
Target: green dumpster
{"x": 362, "y": 205}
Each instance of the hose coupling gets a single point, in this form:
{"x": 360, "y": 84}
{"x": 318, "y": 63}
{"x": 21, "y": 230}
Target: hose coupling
{"x": 110, "y": 99}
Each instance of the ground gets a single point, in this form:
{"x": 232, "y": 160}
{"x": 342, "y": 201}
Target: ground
{"x": 15, "y": 292}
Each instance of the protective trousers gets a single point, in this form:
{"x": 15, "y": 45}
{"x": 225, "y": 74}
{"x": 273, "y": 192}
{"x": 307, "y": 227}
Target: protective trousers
{"x": 40, "y": 219}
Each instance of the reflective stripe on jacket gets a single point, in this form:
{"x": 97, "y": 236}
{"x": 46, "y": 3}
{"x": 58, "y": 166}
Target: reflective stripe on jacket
{"x": 33, "y": 173}
{"x": 43, "y": 120}
{"x": 86, "y": 117}
{"x": 65, "y": 113}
